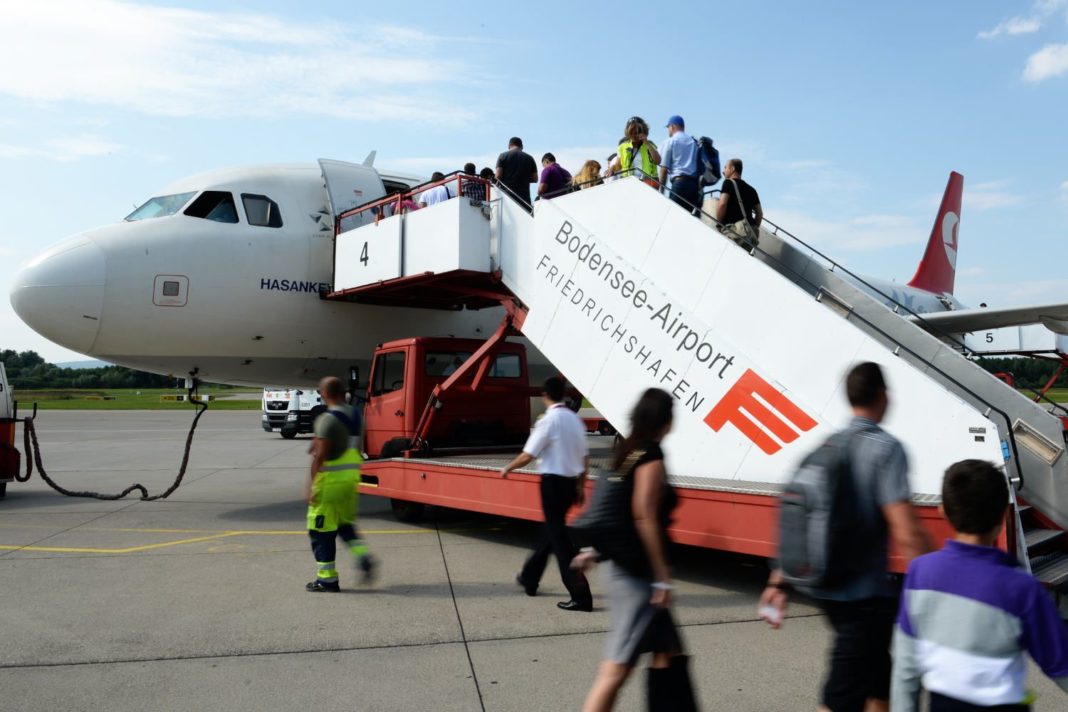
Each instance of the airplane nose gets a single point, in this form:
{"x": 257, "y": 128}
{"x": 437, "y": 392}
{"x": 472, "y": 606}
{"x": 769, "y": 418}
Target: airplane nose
{"x": 60, "y": 293}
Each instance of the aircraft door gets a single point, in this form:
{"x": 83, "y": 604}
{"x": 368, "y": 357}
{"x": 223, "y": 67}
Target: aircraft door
{"x": 384, "y": 415}
{"x": 349, "y": 185}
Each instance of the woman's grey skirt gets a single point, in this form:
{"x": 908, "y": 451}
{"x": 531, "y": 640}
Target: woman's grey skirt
{"x": 637, "y": 626}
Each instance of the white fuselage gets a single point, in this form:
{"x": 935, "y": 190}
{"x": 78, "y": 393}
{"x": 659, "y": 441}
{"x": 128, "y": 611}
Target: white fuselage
{"x": 233, "y": 302}
{"x": 247, "y": 309}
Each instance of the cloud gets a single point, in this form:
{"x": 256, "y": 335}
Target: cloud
{"x": 1013, "y": 26}
{"x": 170, "y": 61}
{"x": 862, "y": 233}
{"x": 1048, "y": 62}
{"x": 989, "y": 196}
{"x": 570, "y": 157}
{"x": 1015, "y": 292}
{"x": 1041, "y": 10}
{"x": 68, "y": 148}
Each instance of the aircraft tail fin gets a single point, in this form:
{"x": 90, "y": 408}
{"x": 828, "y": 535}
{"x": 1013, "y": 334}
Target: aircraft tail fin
{"x": 370, "y": 160}
{"x": 938, "y": 268}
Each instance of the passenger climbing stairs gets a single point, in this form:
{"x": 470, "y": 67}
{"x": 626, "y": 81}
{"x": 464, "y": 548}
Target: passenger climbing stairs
{"x": 621, "y": 289}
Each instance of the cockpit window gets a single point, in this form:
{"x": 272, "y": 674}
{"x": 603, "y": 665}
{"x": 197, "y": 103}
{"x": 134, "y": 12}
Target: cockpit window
{"x": 214, "y": 205}
{"x": 261, "y": 210}
{"x": 160, "y": 207}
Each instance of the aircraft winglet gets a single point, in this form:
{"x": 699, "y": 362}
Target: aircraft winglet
{"x": 370, "y": 160}
{"x": 938, "y": 268}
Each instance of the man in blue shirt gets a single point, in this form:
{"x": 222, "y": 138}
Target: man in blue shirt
{"x": 678, "y": 161}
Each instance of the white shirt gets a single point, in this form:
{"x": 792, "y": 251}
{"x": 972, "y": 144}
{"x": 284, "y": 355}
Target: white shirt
{"x": 435, "y": 195}
{"x": 559, "y": 441}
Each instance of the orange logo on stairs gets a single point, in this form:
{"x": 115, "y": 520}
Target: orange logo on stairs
{"x": 746, "y": 406}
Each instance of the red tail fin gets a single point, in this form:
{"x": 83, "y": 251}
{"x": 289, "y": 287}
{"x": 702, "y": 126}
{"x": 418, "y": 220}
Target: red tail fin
{"x": 938, "y": 268}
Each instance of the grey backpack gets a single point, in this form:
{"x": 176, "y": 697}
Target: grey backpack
{"x": 818, "y": 525}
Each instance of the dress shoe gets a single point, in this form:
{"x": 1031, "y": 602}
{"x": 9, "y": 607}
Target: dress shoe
{"x": 529, "y": 590}
{"x": 574, "y": 605}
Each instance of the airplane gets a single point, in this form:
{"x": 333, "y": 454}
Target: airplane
{"x": 218, "y": 276}
{"x": 929, "y": 293}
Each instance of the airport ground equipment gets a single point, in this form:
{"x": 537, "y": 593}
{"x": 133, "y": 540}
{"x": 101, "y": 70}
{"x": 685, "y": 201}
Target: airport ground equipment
{"x": 290, "y": 411}
{"x": 33, "y": 452}
{"x": 595, "y": 422}
{"x": 9, "y": 454}
{"x": 621, "y": 290}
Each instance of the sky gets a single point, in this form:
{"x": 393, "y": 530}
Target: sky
{"x": 849, "y": 116}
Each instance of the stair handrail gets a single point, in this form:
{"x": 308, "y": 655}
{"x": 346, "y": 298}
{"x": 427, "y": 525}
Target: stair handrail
{"x": 1017, "y": 481}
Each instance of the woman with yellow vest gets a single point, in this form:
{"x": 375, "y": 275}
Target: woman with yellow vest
{"x": 637, "y": 155}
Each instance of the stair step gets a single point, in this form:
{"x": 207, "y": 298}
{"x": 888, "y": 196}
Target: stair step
{"x": 1024, "y": 508}
{"x": 1037, "y": 537}
{"x": 1051, "y": 569}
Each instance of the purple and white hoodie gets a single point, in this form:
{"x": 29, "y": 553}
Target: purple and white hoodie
{"x": 967, "y": 615}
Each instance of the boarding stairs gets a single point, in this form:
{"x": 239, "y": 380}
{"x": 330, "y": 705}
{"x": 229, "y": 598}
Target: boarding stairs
{"x": 621, "y": 289}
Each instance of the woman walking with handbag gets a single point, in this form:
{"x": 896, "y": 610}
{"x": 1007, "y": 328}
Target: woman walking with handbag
{"x": 627, "y": 522}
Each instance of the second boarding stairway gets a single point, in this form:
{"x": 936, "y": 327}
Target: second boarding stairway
{"x": 623, "y": 290}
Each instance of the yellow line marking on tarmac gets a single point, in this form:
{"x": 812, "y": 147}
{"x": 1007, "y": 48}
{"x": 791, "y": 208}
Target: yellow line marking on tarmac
{"x": 196, "y": 540}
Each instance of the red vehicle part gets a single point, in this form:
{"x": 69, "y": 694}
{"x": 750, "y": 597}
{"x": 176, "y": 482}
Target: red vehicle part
{"x": 734, "y": 521}
{"x": 447, "y": 392}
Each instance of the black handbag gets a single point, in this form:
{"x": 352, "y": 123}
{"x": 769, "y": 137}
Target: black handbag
{"x": 608, "y": 522}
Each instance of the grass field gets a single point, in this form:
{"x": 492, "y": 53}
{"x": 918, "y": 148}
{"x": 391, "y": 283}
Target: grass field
{"x": 227, "y": 399}
{"x": 1057, "y": 395}
{"x": 134, "y": 399}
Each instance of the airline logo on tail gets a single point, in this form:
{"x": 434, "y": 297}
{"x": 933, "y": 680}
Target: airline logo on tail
{"x": 949, "y": 237}
{"x": 938, "y": 269}
{"x": 756, "y": 408}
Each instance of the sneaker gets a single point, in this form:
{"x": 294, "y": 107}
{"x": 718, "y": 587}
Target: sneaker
{"x": 367, "y": 566}
{"x": 322, "y": 586}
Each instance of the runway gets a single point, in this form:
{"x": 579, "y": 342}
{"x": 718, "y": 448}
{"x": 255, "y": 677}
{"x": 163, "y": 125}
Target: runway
{"x": 198, "y": 601}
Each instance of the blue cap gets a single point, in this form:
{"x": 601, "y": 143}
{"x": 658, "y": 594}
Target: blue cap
{"x": 677, "y": 120}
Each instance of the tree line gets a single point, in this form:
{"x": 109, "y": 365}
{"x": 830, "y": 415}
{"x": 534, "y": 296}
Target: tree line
{"x": 1027, "y": 372}
{"x": 27, "y": 370}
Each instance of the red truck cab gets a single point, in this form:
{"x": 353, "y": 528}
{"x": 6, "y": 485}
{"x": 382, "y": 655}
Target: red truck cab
{"x": 404, "y": 377}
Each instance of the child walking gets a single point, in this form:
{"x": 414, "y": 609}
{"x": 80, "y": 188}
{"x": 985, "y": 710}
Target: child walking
{"x": 968, "y": 612}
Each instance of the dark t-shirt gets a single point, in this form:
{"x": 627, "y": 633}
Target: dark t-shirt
{"x": 516, "y": 169}
{"x": 555, "y": 178}
{"x": 668, "y": 500}
{"x": 749, "y": 198}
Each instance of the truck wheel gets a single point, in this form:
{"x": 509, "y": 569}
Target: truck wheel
{"x": 605, "y": 428}
{"x": 289, "y": 434}
{"x": 407, "y": 511}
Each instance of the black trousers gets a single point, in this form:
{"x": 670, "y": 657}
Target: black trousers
{"x": 558, "y": 494}
{"x": 860, "y": 657}
{"x": 686, "y": 192}
{"x": 941, "y": 703}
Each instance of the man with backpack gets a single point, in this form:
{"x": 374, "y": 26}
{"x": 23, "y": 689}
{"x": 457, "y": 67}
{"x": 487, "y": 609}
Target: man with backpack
{"x": 839, "y": 511}
{"x": 678, "y": 161}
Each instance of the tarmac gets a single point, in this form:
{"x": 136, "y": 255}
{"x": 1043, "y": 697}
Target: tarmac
{"x": 198, "y": 601}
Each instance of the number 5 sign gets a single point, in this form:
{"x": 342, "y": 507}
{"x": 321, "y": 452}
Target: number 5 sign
{"x": 368, "y": 254}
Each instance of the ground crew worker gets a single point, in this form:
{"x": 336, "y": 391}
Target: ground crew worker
{"x": 331, "y": 489}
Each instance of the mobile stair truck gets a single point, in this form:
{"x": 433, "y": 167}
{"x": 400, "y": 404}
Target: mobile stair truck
{"x": 621, "y": 290}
